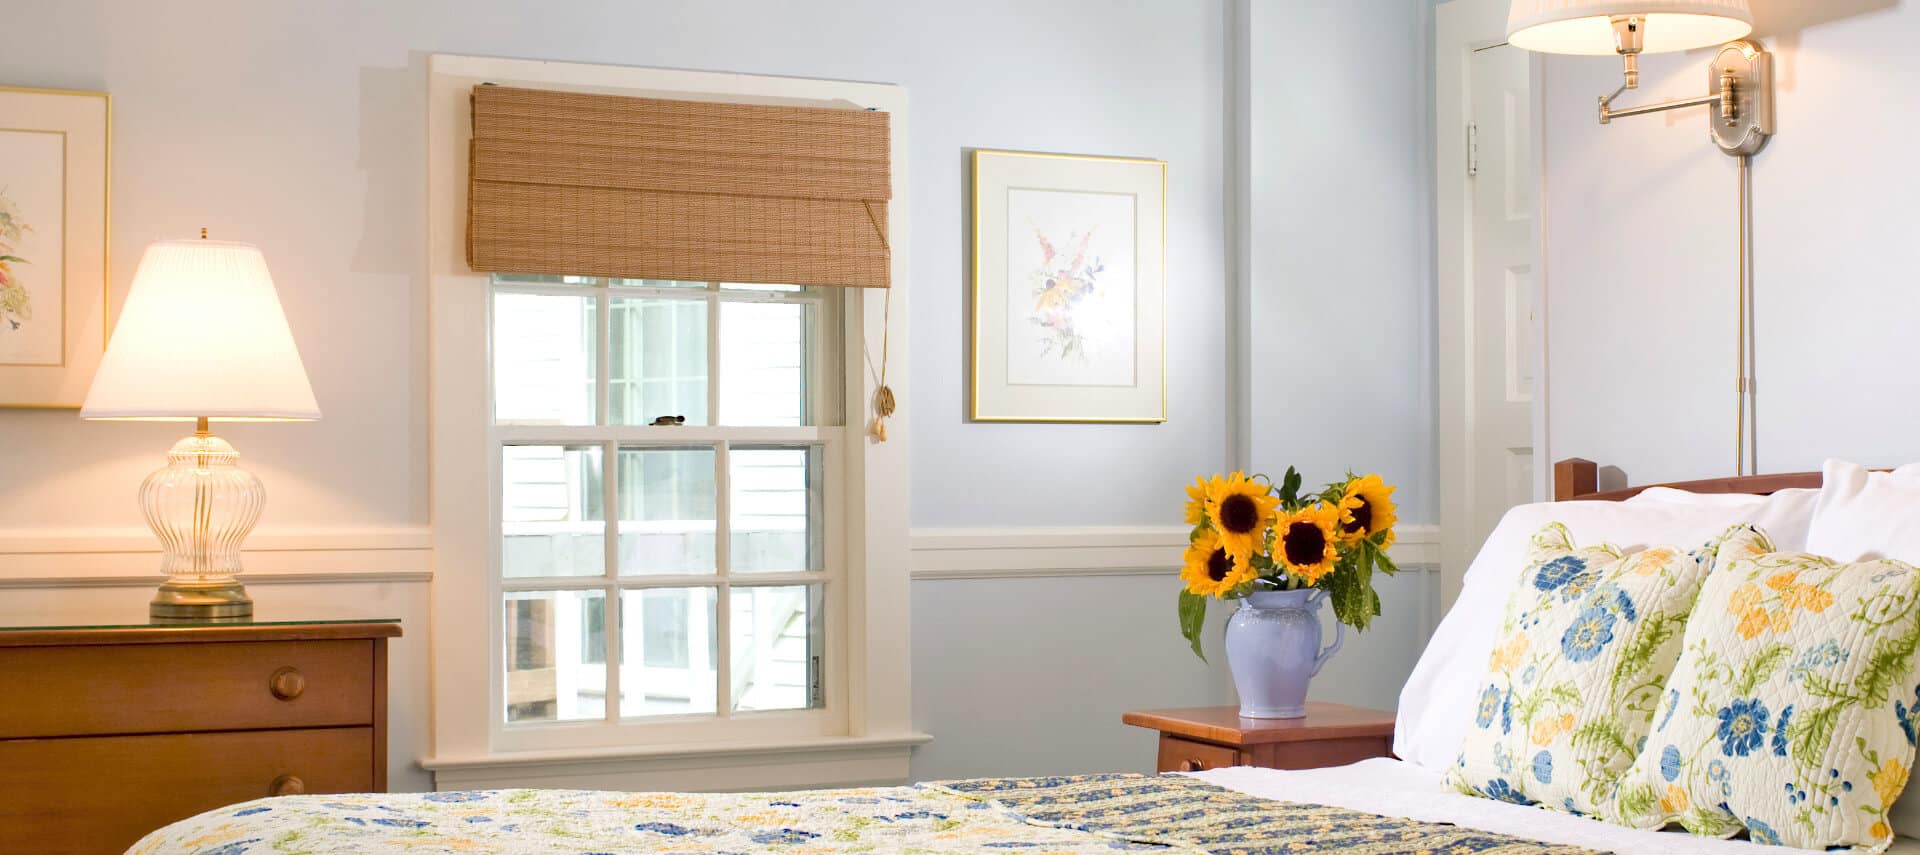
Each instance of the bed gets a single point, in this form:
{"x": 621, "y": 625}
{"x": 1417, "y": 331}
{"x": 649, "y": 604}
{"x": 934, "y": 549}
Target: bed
{"x": 1368, "y": 808}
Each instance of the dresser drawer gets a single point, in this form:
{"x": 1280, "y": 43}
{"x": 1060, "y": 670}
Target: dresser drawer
{"x": 169, "y": 688}
{"x": 97, "y": 795}
{"x": 1186, "y": 755}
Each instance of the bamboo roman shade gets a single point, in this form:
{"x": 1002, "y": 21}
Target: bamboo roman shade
{"x": 572, "y": 183}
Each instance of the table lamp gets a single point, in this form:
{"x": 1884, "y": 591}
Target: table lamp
{"x": 201, "y": 339}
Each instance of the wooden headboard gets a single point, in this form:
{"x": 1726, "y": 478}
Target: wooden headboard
{"x": 1575, "y": 478}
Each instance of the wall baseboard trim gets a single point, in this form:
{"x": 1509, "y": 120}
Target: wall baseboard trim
{"x": 124, "y": 557}
{"x": 1016, "y": 552}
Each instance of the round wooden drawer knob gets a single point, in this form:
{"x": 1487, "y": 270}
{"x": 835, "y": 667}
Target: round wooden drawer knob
{"x": 287, "y": 785}
{"x": 286, "y": 684}
{"x": 1191, "y": 765}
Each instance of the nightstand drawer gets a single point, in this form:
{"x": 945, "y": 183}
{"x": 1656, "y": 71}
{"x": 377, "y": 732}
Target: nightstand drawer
{"x": 1186, "y": 755}
{"x": 166, "y": 688}
{"x": 99, "y": 794}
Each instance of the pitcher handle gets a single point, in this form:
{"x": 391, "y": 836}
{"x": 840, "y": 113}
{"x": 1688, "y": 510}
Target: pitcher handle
{"x": 1339, "y": 637}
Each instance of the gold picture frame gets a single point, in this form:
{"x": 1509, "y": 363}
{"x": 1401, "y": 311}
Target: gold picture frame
{"x": 55, "y": 220}
{"x": 1069, "y": 288}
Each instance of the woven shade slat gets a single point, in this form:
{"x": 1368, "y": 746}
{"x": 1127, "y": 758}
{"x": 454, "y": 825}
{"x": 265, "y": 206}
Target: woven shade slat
{"x": 642, "y": 188}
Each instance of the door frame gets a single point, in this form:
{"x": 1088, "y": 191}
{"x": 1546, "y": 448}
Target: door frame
{"x": 1462, "y": 27}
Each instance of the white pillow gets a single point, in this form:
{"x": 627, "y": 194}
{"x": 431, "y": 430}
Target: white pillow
{"x": 1785, "y": 516}
{"x": 1867, "y": 515}
{"x": 1438, "y": 702}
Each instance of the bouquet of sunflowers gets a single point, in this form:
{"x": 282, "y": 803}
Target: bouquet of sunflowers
{"x": 1250, "y": 536}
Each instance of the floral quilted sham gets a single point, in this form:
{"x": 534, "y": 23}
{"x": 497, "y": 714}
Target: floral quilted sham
{"x": 1791, "y": 714}
{"x": 1082, "y": 814}
{"x": 1589, "y": 638}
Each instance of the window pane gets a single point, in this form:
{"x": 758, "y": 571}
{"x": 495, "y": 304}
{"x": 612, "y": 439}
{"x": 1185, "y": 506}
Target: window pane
{"x": 763, "y": 364}
{"x": 777, "y": 641}
{"x": 772, "y": 289}
{"x": 551, "y": 519}
{"x": 551, "y": 641}
{"x": 543, "y": 359}
{"x": 655, "y": 283}
{"x": 659, "y": 355}
{"x": 774, "y": 509}
{"x": 669, "y": 647}
{"x": 667, "y": 516}
{"x": 542, "y": 279}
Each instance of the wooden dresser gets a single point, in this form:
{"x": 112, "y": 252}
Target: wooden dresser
{"x": 1201, "y": 738}
{"x": 109, "y": 732}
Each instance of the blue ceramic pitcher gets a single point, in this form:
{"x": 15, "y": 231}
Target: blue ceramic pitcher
{"x": 1273, "y": 649}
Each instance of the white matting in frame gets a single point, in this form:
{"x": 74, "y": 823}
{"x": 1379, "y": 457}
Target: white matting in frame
{"x": 1069, "y": 288}
{"x": 53, "y": 244}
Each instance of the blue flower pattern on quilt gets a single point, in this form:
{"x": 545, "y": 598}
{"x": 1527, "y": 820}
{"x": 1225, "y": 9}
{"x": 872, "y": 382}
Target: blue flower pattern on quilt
{"x": 1590, "y": 633}
{"x": 1489, "y": 706}
{"x": 1080, "y": 815}
{"x": 1743, "y": 725}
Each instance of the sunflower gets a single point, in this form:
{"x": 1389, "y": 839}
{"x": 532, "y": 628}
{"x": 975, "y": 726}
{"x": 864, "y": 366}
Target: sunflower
{"x": 1366, "y": 509}
{"x": 1209, "y": 572}
{"x": 1242, "y": 511}
{"x": 1197, "y": 501}
{"x": 1305, "y": 543}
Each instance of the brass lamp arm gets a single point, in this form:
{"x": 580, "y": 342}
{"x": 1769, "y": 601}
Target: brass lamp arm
{"x": 1728, "y": 98}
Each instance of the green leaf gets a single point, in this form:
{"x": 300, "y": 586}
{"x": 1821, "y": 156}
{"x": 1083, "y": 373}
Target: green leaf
{"x": 1193, "y": 616}
{"x": 1810, "y": 733}
{"x": 1760, "y": 667}
{"x": 1892, "y": 658}
{"x": 1290, "y": 488}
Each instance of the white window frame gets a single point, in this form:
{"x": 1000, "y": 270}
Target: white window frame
{"x": 827, "y": 441}
{"x": 869, "y": 733}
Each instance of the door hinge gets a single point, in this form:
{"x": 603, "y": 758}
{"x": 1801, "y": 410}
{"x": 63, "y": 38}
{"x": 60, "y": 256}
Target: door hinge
{"x": 1473, "y": 150}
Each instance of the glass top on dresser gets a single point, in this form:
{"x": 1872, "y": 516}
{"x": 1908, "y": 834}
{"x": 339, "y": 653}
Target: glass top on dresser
{"x": 133, "y": 615}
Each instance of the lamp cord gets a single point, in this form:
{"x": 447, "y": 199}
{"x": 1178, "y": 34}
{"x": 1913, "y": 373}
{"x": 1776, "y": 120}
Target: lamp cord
{"x": 1746, "y": 438}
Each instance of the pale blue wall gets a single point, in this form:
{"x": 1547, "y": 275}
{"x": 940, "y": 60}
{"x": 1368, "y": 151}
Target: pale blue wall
{"x": 300, "y": 127}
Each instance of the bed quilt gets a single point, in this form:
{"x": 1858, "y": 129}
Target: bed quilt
{"x": 1076, "y": 814}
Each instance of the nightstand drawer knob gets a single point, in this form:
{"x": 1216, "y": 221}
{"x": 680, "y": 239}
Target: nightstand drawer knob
{"x": 1192, "y": 765}
{"x": 287, "y": 683}
{"x": 287, "y": 785}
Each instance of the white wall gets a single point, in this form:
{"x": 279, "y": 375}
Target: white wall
{"x": 1340, "y": 242}
{"x": 1338, "y": 273}
{"x": 300, "y": 127}
{"x": 1641, "y": 257}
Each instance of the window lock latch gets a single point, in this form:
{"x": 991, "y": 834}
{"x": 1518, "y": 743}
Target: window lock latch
{"x": 664, "y": 421}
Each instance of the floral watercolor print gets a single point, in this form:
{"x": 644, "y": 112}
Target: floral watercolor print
{"x": 1071, "y": 288}
{"x": 32, "y": 219}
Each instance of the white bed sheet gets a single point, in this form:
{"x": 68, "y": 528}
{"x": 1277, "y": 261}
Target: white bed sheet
{"x": 1401, "y": 789}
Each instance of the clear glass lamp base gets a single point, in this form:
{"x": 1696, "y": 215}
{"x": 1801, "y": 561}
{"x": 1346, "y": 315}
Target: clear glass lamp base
{"x": 201, "y": 506}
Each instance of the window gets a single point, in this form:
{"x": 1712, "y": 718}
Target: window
{"x": 666, "y": 523}
{"x": 615, "y": 647}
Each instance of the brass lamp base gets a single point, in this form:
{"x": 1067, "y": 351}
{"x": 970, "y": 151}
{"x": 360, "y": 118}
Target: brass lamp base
{"x": 186, "y": 601}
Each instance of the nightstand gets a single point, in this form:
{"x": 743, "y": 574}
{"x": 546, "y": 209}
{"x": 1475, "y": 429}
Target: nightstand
{"x": 1200, "y": 738}
{"x": 110, "y": 731}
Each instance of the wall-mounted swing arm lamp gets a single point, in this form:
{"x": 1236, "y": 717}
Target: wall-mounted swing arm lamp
{"x": 1739, "y": 91}
{"x": 1739, "y": 80}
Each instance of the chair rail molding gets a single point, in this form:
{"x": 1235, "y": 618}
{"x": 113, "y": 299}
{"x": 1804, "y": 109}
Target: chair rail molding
{"x": 116, "y": 557}
{"x": 1027, "y": 552}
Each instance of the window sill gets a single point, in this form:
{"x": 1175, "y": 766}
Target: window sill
{"x": 782, "y": 765}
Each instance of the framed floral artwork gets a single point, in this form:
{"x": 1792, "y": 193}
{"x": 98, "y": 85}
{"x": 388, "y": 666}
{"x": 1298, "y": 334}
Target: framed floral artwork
{"x": 1069, "y": 288}
{"x": 53, "y": 244}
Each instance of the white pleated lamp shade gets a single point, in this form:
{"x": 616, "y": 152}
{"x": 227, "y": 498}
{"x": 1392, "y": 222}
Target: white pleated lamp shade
{"x": 202, "y": 335}
{"x": 1586, "y": 26}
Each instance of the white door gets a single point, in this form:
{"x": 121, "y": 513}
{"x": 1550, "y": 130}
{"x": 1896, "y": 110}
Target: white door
{"x": 1489, "y": 335}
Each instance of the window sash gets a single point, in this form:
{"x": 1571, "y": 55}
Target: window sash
{"x": 827, "y": 683}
